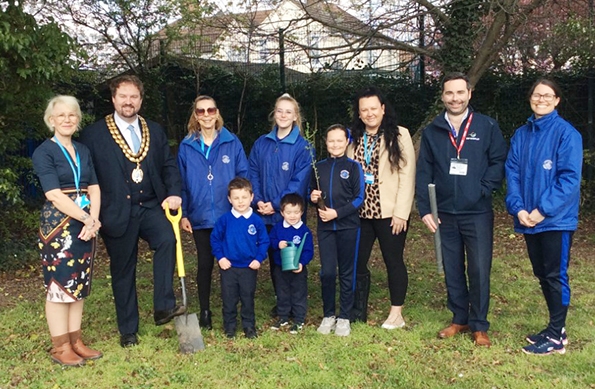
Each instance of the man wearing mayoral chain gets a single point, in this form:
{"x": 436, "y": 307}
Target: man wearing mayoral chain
{"x": 138, "y": 176}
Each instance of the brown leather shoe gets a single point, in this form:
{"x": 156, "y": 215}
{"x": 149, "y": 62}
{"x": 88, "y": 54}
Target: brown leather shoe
{"x": 79, "y": 347}
{"x": 452, "y": 330}
{"x": 481, "y": 338}
{"x": 63, "y": 353}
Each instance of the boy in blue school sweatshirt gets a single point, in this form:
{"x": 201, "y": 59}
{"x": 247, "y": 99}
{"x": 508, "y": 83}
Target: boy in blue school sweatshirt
{"x": 291, "y": 285}
{"x": 239, "y": 242}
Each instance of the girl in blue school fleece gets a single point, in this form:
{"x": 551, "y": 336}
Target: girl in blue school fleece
{"x": 342, "y": 185}
{"x": 280, "y": 161}
{"x": 280, "y": 164}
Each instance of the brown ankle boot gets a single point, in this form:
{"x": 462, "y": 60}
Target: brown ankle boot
{"x": 62, "y": 352}
{"x": 79, "y": 347}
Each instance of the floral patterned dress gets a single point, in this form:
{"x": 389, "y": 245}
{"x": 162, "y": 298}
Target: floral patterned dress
{"x": 67, "y": 260}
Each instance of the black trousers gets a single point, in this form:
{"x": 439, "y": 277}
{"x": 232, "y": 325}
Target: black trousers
{"x": 272, "y": 264}
{"x": 470, "y": 234}
{"x": 292, "y": 294}
{"x": 204, "y": 269}
{"x": 238, "y": 284}
{"x": 151, "y": 225}
{"x": 392, "y": 247}
{"x": 338, "y": 249}
{"x": 549, "y": 253}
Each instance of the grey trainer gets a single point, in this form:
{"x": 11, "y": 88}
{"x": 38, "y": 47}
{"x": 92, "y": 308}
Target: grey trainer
{"x": 328, "y": 324}
{"x": 343, "y": 327}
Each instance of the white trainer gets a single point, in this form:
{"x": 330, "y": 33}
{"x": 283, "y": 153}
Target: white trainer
{"x": 399, "y": 322}
{"x": 343, "y": 327}
{"x": 328, "y": 324}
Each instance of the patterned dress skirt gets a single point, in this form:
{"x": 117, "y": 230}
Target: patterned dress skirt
{"x": 67, "y": 260}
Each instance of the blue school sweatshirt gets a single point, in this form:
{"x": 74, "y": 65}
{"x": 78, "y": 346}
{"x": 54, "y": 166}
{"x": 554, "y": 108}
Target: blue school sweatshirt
{"x": 287, "y": 232}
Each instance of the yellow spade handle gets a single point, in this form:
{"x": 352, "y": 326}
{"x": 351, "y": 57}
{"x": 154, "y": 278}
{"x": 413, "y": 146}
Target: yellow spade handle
{"x": 175, "y": 222}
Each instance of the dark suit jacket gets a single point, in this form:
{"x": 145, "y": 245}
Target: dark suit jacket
{"x": 159, "y": 166}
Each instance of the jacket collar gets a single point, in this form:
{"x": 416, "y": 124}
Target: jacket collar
{"x": 441, "y": 122}
{"x": 193, "y": 140}
{"x": 291, "y": 138}
{"x": 544, "y": 120}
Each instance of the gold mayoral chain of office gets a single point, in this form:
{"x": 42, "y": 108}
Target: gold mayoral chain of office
{"x": 137, "y": 173}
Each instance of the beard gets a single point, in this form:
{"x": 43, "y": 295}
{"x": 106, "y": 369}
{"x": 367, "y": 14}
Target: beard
{"x": 128, "y": 111}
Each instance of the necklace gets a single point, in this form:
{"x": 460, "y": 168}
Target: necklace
{"x": 137, "y": 173}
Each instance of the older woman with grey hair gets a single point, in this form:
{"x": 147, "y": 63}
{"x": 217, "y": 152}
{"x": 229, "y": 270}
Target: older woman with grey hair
{"x": 69, "y": 224}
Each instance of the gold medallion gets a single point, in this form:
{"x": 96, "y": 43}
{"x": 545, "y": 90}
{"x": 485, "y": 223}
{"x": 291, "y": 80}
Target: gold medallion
{"x": 137, "y": 174}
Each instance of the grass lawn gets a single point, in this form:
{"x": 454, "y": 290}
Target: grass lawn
{"x": 370, "y": 358}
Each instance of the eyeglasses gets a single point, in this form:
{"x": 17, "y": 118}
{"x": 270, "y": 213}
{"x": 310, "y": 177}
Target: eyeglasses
{"x": 210, "y": 111}
{"x": 547, "y": 97}
{"x": 62, "y": 117}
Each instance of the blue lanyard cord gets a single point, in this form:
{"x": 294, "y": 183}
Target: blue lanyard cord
{"x": 368, "y": 151}
{"x": 202, "y": 147}
{"x": 76, "y": 172}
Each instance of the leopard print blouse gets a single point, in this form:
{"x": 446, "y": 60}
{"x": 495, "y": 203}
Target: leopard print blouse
{"x": 370, "y": 209}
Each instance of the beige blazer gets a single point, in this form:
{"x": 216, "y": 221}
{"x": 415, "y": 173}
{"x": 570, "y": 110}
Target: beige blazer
{"x": 397, "y": 187}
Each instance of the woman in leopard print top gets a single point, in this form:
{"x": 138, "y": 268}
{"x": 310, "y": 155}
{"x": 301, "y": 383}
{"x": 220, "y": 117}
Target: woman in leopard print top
{"x": 385, "y": 151}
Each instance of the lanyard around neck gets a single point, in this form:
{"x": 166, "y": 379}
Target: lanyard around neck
{"x": 368, "y": 151}
{"x": 75, "y": 172}
{"x": 454, "y": 142}
{"x": 202, "y": 147}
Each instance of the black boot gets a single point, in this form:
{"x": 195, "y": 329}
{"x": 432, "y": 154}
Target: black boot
{"x": 205, "y": 320}
{"x": 359, "y": 312}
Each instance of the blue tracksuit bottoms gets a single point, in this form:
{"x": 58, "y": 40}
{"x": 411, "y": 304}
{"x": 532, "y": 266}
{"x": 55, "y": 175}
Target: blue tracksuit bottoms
{"x": 338, "y": 249}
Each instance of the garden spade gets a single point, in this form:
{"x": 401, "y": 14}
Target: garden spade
{"x": 187, "y": 326}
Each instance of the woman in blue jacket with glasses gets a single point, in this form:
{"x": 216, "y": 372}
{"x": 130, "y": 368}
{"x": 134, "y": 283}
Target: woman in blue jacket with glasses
{"x": 543, "y": 171}
{"x": 209, "y": 158}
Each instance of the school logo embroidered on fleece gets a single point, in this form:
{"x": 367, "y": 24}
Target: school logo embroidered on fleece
{"x": 225, "y": 159}
{"x": 344, "y": 174}
{"x": 297, "y": 239}
{"x": 252, "y": 229}
{"x": 547, "y": 164}
{"x": 285, "y": 166}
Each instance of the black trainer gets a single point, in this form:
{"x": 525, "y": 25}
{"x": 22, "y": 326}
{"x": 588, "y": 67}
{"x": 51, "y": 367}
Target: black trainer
{"x": 250, "y": 333}
{"x": 278, "y": 324}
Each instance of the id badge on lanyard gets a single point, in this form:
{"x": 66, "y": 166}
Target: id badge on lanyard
{"x": 81, "y": 199}
{"x": 368, "y": 176}
{"x": 458, "y": 165}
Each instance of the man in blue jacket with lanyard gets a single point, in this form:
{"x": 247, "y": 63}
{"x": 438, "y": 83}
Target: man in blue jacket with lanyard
{"x": 463, "y": 153}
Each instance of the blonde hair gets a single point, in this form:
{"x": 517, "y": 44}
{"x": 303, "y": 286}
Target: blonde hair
{"x": 70, "y": 101}
{"x": 298, "y": 112}
{"x": 193, "y": 125}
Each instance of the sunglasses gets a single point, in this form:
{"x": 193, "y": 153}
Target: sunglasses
{"x": 210, "y": 111}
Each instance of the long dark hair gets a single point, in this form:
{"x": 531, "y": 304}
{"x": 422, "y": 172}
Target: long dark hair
{"x": 389, "y": 125}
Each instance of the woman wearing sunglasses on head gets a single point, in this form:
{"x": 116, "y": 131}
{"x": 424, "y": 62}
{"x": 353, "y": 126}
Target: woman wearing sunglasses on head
{"x": 209, "y": 157}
